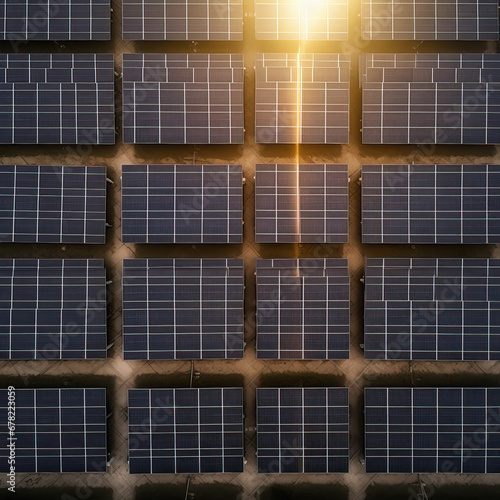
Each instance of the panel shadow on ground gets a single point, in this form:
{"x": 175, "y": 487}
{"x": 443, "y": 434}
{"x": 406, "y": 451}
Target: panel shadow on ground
{"x": 305, "y": 492}
{"x": 178, "y": 491}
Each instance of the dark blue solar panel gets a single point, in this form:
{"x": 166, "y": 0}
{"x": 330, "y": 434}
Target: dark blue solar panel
{"x": 52, "y": 309}
{"x": 182, "y": 20}
{"x": 432, "y": 309}
{"x": 57, "y": 99}
{"x": 56, "y": 430}
{"x": 201, "y": 430}
{"x": 52, "y": 204}
{"x": 430, "y": 98}
{"x": 431, "y": 204}
{"x": 49, "y": 20}
{"x": 429, "y": 430}
{"x": 183, "y": 98}
{"x": 302, "y": 98}
{"x": 183, "y": 308}
{"x": 182, "y": 204}
{"x": 436, "y": 20}
{"x": 302, "y": 309}
{"x": 301, "y": 203}
{"x": 303, "y": 430}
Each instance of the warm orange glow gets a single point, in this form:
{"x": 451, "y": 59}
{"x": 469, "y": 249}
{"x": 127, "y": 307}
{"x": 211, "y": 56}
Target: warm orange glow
{"x": 310, "y": 19}
{"x": 298, "y": 128}
{"x": 312, "y": 16}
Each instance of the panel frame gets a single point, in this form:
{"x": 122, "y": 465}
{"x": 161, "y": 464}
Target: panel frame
{"x": 167, "y": 402}
{"x": 172, "y": 309}
{"x": 217, "y": 12}
{"x": 277, "y": 283}
{"x": 30, "y": 191}
{"x": 430, "y": 98}
{"x": 421, "y": 27}
{"x": 329, "y": 20}
{"x": 315, "y": 98}
{"x": 43, "y": 435}
{"x": 163, "y": 186}
{"x": 444, "y": 198}
{"x": 37, "y": 23}
{"x": 44, "y": 318}
{"x": 301, "y": 427}
{"x": 288, "y": 228}
{"x": 185, "y": 92}
{"x": 450, "y": 430}
{"x": 445, "y": 309}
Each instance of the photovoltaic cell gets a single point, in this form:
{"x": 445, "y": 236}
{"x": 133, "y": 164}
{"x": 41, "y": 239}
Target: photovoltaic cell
{"x": 430, "y": 98}
{"x": 301, "y": 20}
{"x": 303, "y": 430}
{"x": 183, "y": 98}
{"x": 182, "y": 20}
{"x": 430, "y": 20}
{"x": 56, "y": 430}
{"x": 182, "y": 204}
{"x": 183, "y": 308}
{"x": 302, "y": 98}
{"x": 432, "y": 309}
{"x": 46, "y": 20}
{"x": 201, "y": 430}
{"x": 432, "y": 430}
{"x": 52, "y": 309}
{"x": 430, "y": 204}
{"x": 302, "y": 309}
{"x": 301, "y": 203}
{"x": 52, "y": 204}
{"x": 57, "y": 99}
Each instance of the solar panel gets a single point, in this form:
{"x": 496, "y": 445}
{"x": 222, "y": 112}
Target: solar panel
{"x": 430, "y": 204}
{"x": 183, "y": 308}
{"x": 430, "y": 98}
{"x": 301, "y": 20}
{"x": 302, "y": 98}
{"x": 57, "y": 99}
{"x": 183, "y": 98}
{"x": 201, "y": 430}
{"x": 182, "y": 204}
{"x": 302, "y": 309}
{"x": 303, "y": 430}
{"x": 432, "y": 309}
{"x": 52, "y": 204}
{"x": 428, "y": 430}
{"x": 182, "y": 20}
{"x": 301, "y": 203}
{"x": 430, "y": 20}
{"x": 66, "y": 20}
{"x": 52, "y": 309}
{"x": 56, "y": 430}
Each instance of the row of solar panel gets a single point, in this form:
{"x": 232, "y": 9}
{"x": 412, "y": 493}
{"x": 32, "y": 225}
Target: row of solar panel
{"x": 294, "y": 203}
{"x": 274, "y": 20}
{"x": 172, "y": 309}
{"x": 204, "y": 203}
{"x": 299, "y": 430}
{"x": 299, "y": 98}
{"x": 427, "y": 309}
{"x": 194, "y": 309}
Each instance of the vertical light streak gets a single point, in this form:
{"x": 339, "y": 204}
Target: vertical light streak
{"x": 298, "y": 138}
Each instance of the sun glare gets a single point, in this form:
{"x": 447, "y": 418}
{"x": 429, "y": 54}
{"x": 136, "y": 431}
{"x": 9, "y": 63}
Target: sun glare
{"x": 298, "y": 136}
{"x": 312, "y": 16}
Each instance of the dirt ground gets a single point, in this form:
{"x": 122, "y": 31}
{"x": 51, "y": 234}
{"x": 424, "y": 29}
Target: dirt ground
{"x": 356, "y": 373}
